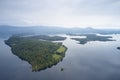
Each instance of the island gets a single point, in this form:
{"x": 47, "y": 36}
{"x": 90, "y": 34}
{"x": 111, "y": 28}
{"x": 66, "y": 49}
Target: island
{"x": 92, "y": 37}
{"x": 41, "y": 54}
{"x": 118, "y": 48}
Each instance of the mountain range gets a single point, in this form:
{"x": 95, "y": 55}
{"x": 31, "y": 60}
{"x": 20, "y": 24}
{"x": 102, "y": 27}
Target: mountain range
{"x": 6, "y": 30}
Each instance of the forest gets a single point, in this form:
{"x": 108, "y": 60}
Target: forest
{"x": 91, "y": 37}
{"x": 48, "y": 38}
{"x": 40, "y": 54}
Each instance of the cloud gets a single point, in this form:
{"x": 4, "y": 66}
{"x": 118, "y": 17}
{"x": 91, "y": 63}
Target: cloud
{"x": 80, "y": 13}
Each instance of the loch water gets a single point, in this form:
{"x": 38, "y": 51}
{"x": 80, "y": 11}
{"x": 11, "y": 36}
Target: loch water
{"x": 95, "y": 60}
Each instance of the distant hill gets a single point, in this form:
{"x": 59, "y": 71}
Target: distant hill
{"x": 6, "y": 30}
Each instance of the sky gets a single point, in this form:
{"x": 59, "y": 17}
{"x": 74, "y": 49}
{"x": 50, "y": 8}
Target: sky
{"x": 62, "y": 13}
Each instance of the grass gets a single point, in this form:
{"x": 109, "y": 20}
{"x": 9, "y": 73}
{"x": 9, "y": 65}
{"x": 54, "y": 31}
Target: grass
{"x": 62, "y": 49}
{"x": 56, "y": 57}
{"x": 60, "y": 53}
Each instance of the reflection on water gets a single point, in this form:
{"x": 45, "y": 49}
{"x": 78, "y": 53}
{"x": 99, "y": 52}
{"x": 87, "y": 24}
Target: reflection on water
{"x": 92, "y": 61}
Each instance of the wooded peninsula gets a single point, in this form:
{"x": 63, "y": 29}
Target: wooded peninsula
{"x": 41, "y": 54}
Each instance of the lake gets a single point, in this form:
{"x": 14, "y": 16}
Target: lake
{"x": 92, "y": 61}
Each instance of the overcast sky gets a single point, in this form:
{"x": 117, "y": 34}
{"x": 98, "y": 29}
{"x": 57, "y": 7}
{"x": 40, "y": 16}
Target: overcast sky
{"x": 65, "y": 13}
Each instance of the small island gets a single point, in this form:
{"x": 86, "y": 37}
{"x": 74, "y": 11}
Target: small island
{"x": 118, "y": 48}
{"x": 92, "y": 37}
{"x": 41, "y": 54}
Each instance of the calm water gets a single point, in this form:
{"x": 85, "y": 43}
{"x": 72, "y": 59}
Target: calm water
{"x": 92, "y": 61}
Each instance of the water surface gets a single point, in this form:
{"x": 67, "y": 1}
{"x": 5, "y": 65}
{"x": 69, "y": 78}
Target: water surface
{"x": 93, "y": 61}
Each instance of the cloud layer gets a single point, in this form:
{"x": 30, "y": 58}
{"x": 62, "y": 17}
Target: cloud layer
{"x": 66, "y": 13}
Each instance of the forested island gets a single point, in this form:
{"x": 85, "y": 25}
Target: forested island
{"x": 41, "y": 54}
{"x": 91, "y": 37}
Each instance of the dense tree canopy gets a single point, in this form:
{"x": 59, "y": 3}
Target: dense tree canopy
{"x": 40, "y": 54}
{"x": 48, "y": 38}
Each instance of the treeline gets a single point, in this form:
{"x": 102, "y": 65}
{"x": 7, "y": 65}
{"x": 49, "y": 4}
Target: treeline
{"x": 48, "y": 38}
{"x": 40, "y": 54}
